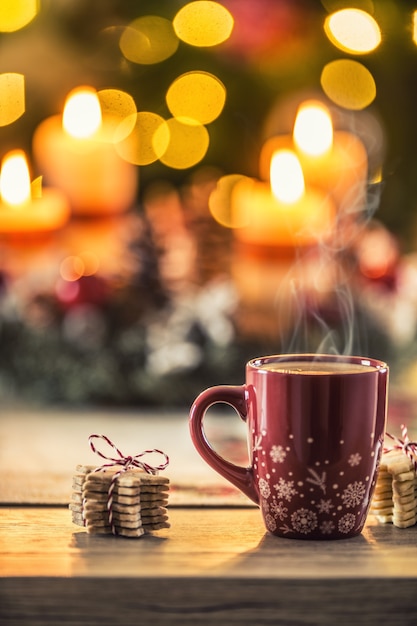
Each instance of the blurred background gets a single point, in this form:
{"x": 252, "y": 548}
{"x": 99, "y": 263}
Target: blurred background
{"x": 154, "y": 234}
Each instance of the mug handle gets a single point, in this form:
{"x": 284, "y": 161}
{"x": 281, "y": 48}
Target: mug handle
{"x": 236, "y": 397}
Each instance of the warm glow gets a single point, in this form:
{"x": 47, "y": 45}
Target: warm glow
{"x": 15, "y": 179}
{"x": 197, "y": 95}
{"x": 72, "y": 268}
{"x": 287, "y": 180}
{"x": 313, "y": 129}
{"x": 82, "y": 113}
{"x": 415, "y": 27}
{"x": 220, "y": 201}
{"x": 148, "y": 140}
{"x": 118, "y": 110}
{"x": 348, "y": 84}
{"x": 12, "y": 97}
{"x": 84, "y": 264}
{"x": 188, "y": 142}
{"x": 15, "y": 14}
{"x": 90, "y": 261}
{"x": 353, "y": 31}
{"x": 377, "y": 253}
{"x": 149, "y": 39}
{"x": 203, "y": 23}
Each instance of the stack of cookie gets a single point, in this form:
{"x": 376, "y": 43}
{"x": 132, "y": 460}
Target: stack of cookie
{"x": 395, "y": 497}
{"x": 129, "y": 504}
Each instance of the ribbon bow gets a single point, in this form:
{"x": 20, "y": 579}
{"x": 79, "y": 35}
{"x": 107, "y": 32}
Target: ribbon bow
{"x": 409, "y": 448}
{"x": 125, "y": 463}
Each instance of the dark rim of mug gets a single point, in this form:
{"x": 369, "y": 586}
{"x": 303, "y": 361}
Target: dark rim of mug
{"x": 258, "y": 362}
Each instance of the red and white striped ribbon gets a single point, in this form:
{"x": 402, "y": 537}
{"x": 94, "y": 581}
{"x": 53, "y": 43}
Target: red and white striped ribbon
{"x": 125, "y": 463}
{"x": 404, "y": 445}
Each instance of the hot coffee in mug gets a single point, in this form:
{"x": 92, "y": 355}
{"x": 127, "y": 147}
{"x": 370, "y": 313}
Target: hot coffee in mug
{"x": 315, "y": 427}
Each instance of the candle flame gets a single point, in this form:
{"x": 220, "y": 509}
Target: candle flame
{"x": 287, "y": 180}
{"x": 15, "y": 179}
{"x": 82, "y": 113}
{"x": 313, "y": 130}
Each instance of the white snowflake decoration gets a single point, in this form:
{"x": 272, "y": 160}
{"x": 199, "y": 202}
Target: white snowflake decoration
{"x": 278, "y": 509}
{"x": 320, "y": 500}
{"x": 324, "y": 506}
{"x": 304, "y": 521}
{"x": 285, "y": 489}
{"x": 277, "y": 454}
{"x": 264, "y": 506}
{"x": 264, "y": 489}
{"x": 327, "y": 527}
{"x": 346, "y": 523}
{"x": 270, "y": 522}
{"x": 354, "y": 459}
{"x": 353, "y": 494}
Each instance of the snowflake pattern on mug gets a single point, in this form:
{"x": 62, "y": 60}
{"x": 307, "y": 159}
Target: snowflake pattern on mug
{"x": 311, "y": 504}
{"x": 264, "y": 489}
{"x": 285, "y": 489}
{"x": 346, "y": 523}
{"x": 304, "y": 521}
{"x": 353, "y": 494}
{"x": 279, "y": 509}
{"x": 277, "y": 454}
{"x": 354, "y": 459}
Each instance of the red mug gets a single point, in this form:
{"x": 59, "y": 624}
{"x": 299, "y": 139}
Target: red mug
{"x": 316, "y": 427}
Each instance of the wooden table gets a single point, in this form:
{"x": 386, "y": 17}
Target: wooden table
{"x": 213, "y": 566}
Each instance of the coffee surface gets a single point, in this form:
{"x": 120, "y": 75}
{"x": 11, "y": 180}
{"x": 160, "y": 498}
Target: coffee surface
{"x": 316, "y": 367}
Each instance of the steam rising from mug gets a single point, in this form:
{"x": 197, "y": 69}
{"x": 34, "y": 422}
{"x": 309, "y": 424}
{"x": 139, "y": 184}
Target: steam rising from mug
{"x": 319, "y": 294}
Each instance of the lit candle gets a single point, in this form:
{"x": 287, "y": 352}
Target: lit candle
{"x": 284, "y": 213}
{"x": 22, "y": 211}
{"x": 334, "y": 161}
{"x": 71, "y": 152}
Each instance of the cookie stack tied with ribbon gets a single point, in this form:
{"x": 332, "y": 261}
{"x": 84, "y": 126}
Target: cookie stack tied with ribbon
{"x": 126, "y": 497}
{"x": 395, "y": 497}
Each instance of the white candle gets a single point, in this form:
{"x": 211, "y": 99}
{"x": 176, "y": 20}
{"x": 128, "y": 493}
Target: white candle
{"x": 334, "y": 161}
{"x": 20, "y": 211}
{"x": 73, "y": 156}
{"x": 283, "y": 213}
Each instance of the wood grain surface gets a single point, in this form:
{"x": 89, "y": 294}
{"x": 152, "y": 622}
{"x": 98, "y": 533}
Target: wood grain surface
{"x": 213, "y": 566}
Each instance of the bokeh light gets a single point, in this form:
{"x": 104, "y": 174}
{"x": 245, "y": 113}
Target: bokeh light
{"x": 12, "y": 97}
{"x": 197, "y": 95}
{"x": 72, "y": 268}
{"x": 142, "y": 146}
{"x": 377, "y": 252}
{"x": 220, "y": 201}
{"x": 203, "y": 23}
{"x": 148, "y": 40}
{"x": 353, "y": 31}
{"x": 82, "y": 113}
{"x": 349, "y": 84}
{"x": 15, "y": 14}
{"x": 188, "y": 142}
{"x": 118, "y": 111}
